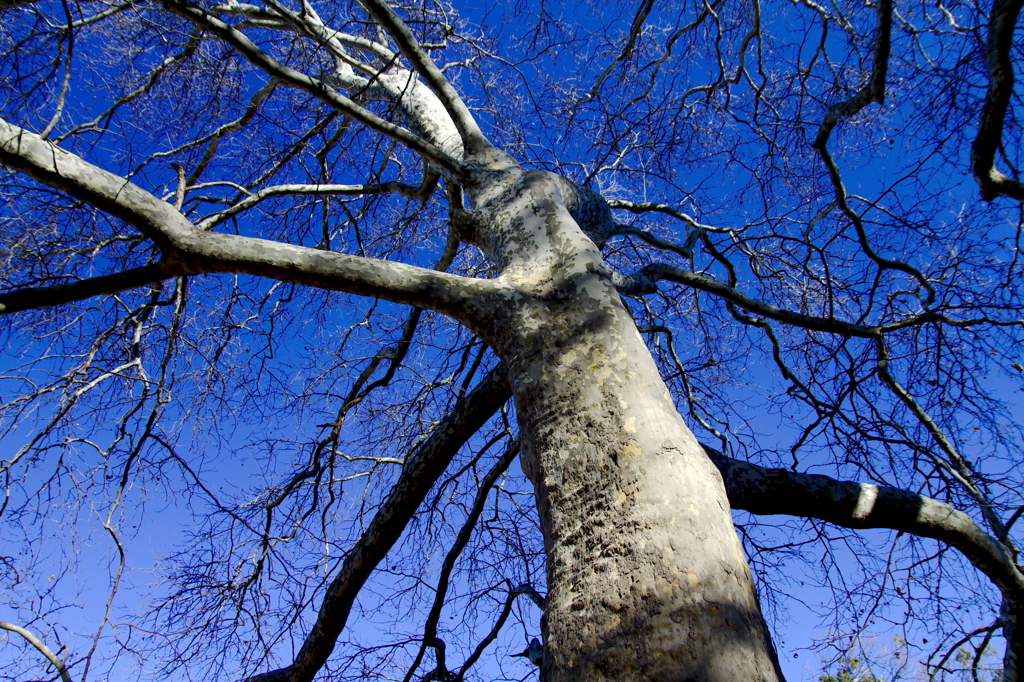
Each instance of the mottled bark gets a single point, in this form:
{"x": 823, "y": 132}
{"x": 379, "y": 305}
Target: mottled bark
{"x": 187, "y": 250}
{"x": 646, "y": 577}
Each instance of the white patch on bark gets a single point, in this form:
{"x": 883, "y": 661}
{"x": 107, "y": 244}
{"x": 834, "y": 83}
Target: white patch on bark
{"x": 865, "y": 501}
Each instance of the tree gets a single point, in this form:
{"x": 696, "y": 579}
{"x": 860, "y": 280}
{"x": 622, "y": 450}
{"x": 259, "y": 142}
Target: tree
{"x": 202, "y": 319}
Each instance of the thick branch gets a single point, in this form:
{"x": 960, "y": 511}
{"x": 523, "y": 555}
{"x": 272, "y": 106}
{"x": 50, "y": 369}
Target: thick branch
{"x": 421, "y": 470}
{"x": 44, "y": 297}
{"x": 472, "y": 138}
{"x": 189, "y": 251}
{"x": 1002, "y": 22}
{"x": 645, "y": 282}
{"x": 315, "y": 87}
{"x": 40, "y": 647}
{"x": 421, "y": 192}
{"x": 859, "y": 505}
{"x": 24, "y": 151}
{"x": 873, "y": 90}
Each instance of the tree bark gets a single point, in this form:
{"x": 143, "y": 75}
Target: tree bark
{"x": 646, "y": 576}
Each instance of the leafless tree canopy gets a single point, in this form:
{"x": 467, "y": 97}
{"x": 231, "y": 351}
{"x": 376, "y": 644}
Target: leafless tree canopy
{"x": 255, "y": 417}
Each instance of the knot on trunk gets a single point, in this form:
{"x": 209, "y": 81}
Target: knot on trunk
{"x": 469, "y": 225}
{"x": 589, "y": 209}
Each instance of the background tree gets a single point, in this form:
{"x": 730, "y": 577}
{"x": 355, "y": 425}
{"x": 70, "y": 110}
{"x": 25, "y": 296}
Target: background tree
{"x": 216, "y": 216}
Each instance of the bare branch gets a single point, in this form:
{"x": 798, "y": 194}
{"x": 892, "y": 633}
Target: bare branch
{"x": 645, "y": 282}
{"x": 956, "y": 465}
{"x": 488, "y": 638}
{"x": 473, "y": 139}
{"x": 290, "y": 76}
{"x": 40, "y": 647}
{"x": 860, "y": 505}
{"x": 873, "y": 90}
{"x": 685, "y": 249}
{"x": 45, "y": 297}
{"x": 147, "y": 86}
{"x": 634, "y": 32}
{"x": 421, "y": 470}
{"x": 189, "y": 251}
{"x": 640, "y": 207}
{"x": 1002, "y": 23}
{"x": 421, "y": 192}
{"x": 441, "y": 591}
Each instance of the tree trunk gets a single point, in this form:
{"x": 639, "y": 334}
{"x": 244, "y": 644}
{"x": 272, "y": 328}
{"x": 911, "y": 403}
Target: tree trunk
{"x": 646, "y": 576}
